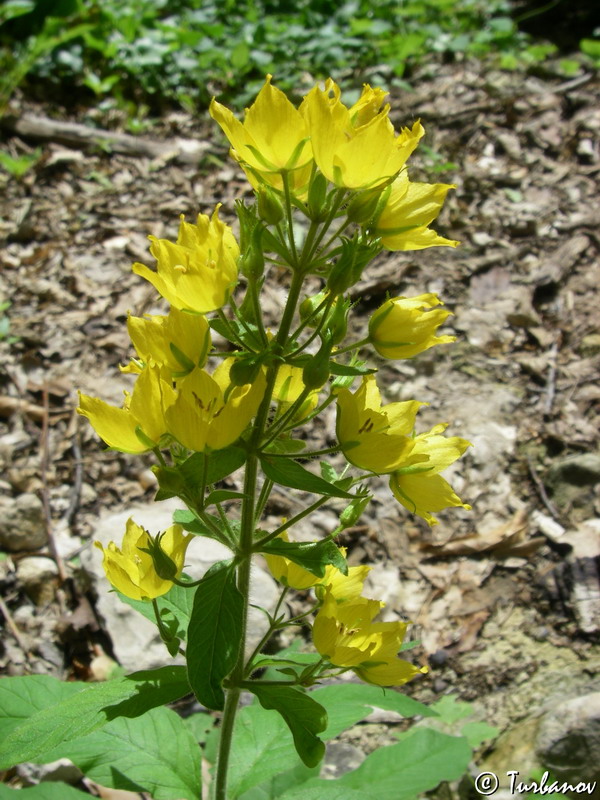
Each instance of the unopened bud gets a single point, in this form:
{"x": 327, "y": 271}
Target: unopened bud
{"x": 244, "y": 370}
{"x": 337, "y": 321}
{"x": 316, "y": 373}
{"x": 165, "y": 567}
{"x": 309, "y": 305}
{"x": 317, "y": 197}
{"x": 362, "y": 206}
{"x": 353, "y": 511}
{"x": 269, "y": 206}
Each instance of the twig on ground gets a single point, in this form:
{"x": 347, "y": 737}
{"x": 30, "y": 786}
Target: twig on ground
{"x": 541, "y": 489}
{"x": 45, "y": 456}
{"x": 10, "y": 624}
{"x": 551, "y": 379}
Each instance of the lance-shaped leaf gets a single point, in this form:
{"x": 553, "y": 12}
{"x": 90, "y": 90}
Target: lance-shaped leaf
{"x": 66, "y": 714}
{"x": 304, "y": 717}
{"x": 290, "y": 473}
{"x": 313, "y": 556}
{"x": 218, "y": 465}
{"x": 214, "y": 634}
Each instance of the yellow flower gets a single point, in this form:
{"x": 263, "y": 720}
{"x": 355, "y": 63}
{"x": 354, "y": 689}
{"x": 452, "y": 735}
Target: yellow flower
{"x": 405, "y": 326}
{"x": 372, "y": 436}
{"x": 140, "y": 424}
{"x": 410, "y": 207}
{"x": 342, "y": 587}
{"x": 346, "y": 635}
{"x": 288, "y": 388}
{"x": 420, "y": 488}
{"x": 202, "y": 419}
{"x": 131, "y": 570}
{"x": 356, "y": 148}
{"x": 178, "y": 341}
{"x": 272, "y": 138}
{"x": 198, "y": 272}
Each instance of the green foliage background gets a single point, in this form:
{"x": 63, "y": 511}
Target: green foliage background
{"x": 166, "y": 53}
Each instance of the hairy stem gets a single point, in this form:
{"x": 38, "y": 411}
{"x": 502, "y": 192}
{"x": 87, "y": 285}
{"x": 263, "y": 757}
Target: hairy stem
{"x": 246, "y": 541}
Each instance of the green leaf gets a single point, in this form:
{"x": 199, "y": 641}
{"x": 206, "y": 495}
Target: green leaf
{"x": 303, "y": 716}
{"x": 324, "y": 790}
{"x": 348, "y": 703}
{"x": 450, "y": 709}
{"x": 178, "y": 601}
{"x": 199, "y": 725}
{"x": 346, "y": 369}
{"x": 290, "y": 473}
{"x": 44, "y": 791}
{"x": 262, "y": 748}
{"x": 286, "y": 446}
{"x": 170, "y": 482}
{"x": 214, "y": 634}
{"x": 220, "y": 495}
{"x": 313, "y": 556}
{"x": 417, "y": 764}
{"x": 78, "y": 713}
{"x": 219, "y": 465}
{"x": 155, "y": 753}
{"x": 478, "y": 732}
{"x": 21, "y": 697}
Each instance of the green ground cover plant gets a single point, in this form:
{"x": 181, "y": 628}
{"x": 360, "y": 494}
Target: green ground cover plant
{"x": 181, "y": 54}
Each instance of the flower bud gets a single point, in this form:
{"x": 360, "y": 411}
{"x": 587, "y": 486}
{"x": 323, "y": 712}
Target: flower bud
{"x": 164, "y": 566}
{"x": 405, "y": 326}
{"x": 349, "y": 266}
{"x": 244, "y": 370}
{"x": 317, "y": 197}
{"x": 309, "y": 305}
{"x": 362, "y": 207}
{"x": 316, "y": 373}
{"x": 337, "y": 321}
{"x": 269, "y": 206}
{"x": 352, "y": 513}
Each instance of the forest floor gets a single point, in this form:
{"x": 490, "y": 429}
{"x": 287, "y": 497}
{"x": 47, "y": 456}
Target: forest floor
{"x": 504, "y": 598}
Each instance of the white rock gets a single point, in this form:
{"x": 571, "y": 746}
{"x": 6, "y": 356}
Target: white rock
{"x": 135, "y": 639}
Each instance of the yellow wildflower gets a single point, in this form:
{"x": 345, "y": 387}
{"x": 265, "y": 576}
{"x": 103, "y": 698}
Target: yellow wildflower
{"x": 342, "y": 587}
{"x": 372, "y": 436}
{"x": 202, "y": 419}
{"x": 199, "y": 270}
{"x": 272, "y": 138}
{"x": 405, "y": 326}
{"x": 131, "y": 570}
{"x": 356, "y": 148}
{"x": 420, "y": 488}
{"x": 288, "y": 388}
{"x": 140, "y": 424}
{"x": 178, "y": 341}
{"x": 410, "y": 207}
{"x": 346, "y": 635}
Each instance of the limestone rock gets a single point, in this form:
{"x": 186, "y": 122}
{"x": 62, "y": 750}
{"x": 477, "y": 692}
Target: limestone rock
{"x": 22, "y": 525}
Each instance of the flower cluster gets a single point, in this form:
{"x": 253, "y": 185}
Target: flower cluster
{"x": 344, "y": 171}
{"x": 344, "y": 632}
{"x": 353, "y": 148}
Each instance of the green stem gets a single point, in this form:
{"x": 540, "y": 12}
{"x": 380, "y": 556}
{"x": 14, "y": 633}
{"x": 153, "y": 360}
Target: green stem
{"x": 246, "y": 541}
{"x": 353, "y": 346}
{"x": 232, "y": 699}
{"x": 330, "y": 217}
{"x": 272, "y": 628}
{"x": 290, "y": 221}
{"x": 230, "y": 328}
{"x": 262, "y": 498}
{"x": 279, "y": 425}
{"x": 274, "y": 534}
